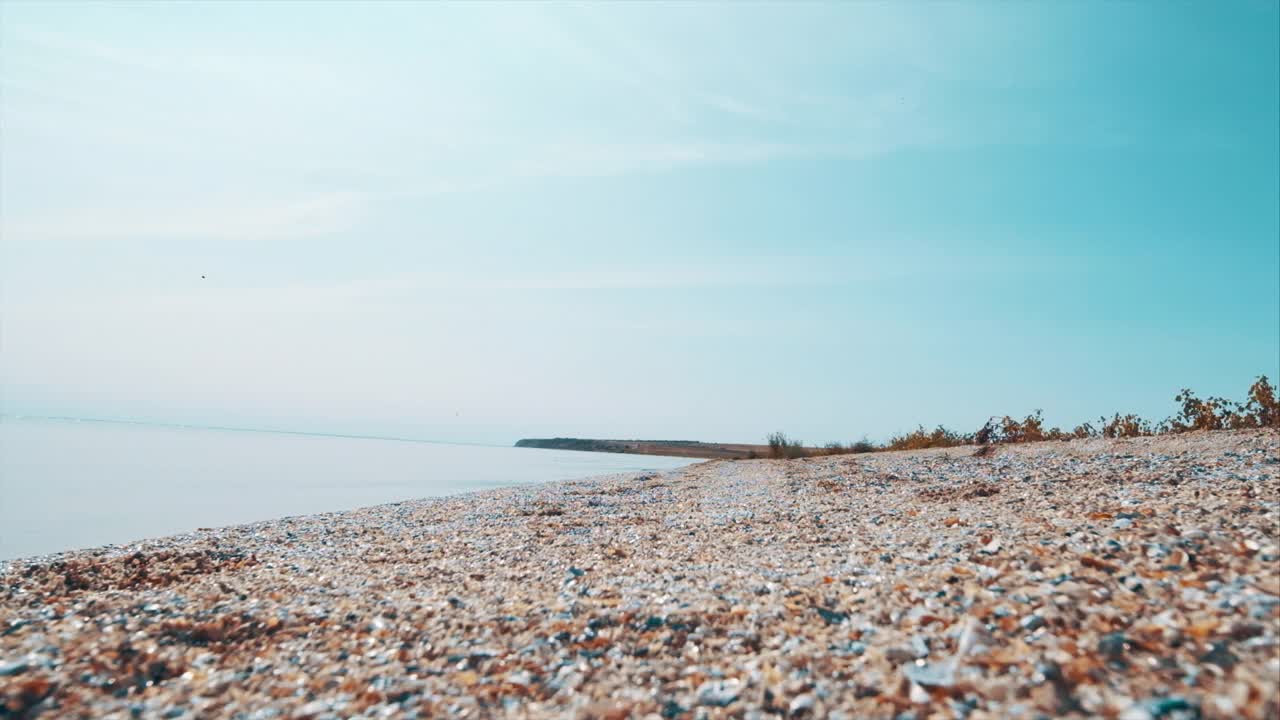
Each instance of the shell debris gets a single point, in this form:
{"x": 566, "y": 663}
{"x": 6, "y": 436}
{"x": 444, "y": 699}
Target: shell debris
{"x": 1097, "y": 578}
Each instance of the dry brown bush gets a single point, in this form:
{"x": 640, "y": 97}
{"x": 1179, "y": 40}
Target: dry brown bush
{"x": 919, "y": 439}
{"x": 1123, "y": 426}
{"x": 780, "y": 446}
{"x": 1260, "y": 410}
{"x": 1262, "y": 406}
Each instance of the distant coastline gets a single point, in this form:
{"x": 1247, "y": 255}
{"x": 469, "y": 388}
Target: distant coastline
{"x": 670, "y": 448}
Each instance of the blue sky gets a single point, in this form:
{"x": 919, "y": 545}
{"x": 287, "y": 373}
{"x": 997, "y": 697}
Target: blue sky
{"x": 481, "y": 222}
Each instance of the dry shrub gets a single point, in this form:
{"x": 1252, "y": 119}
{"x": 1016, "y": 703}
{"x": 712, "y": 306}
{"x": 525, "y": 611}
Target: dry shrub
{"x": 1196, "y": 414}
{"x": 1124, "y": 426}
{"x": 1260, "y": 410}
{"x": 863, "y": 446}
{"x": 780, "y": 446}
{"x": 1262, "y": 407}
{"x": 834, "y": 448}
{"x": 920, "y": 439}
{"x": 1029, "y": 429}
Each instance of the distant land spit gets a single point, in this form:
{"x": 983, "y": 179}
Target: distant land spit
{"x": 670, "y": 448}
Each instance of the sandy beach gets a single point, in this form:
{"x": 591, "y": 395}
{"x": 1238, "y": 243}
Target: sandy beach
{"x": 1123, "y": 579}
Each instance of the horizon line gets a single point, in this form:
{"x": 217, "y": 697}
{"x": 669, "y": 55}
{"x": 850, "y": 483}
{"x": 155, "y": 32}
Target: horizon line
{"x": 231, "y": 428}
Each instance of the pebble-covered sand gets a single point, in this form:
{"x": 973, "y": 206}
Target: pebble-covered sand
{"x": 1120, "y": 579}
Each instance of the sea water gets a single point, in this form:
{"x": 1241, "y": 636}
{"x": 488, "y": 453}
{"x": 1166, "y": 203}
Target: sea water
{"x": 68, "y": 484}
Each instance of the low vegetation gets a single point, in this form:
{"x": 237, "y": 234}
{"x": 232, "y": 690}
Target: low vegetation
{"x": 780, "y": 446}
{"x": 1261, "y": 409}
{"x": 862, "y": 446}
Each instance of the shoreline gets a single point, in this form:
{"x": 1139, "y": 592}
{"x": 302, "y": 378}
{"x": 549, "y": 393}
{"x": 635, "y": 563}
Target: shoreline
{"x": 70, "y": 486}
{"x": 1112, "y": 577}
{"x": 162, "y": 542}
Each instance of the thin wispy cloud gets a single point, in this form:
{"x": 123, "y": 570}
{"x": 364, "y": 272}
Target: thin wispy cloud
{"x": 675, "y": 114}
{"x": 246, "y": 220}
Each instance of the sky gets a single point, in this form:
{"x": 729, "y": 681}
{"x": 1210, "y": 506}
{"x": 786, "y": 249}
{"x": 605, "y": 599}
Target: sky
{"x": 702, "y": 221}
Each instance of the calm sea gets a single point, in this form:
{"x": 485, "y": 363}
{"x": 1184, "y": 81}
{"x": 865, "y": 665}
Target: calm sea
{"x": 68, "y": 484}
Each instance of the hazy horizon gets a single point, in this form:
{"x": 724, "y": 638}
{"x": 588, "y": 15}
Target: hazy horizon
{"x": 116, "y": 483}
{"x": 699, "y": 221}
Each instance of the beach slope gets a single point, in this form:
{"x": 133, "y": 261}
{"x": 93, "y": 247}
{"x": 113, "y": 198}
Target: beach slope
{"x": 1126, "y": 579}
